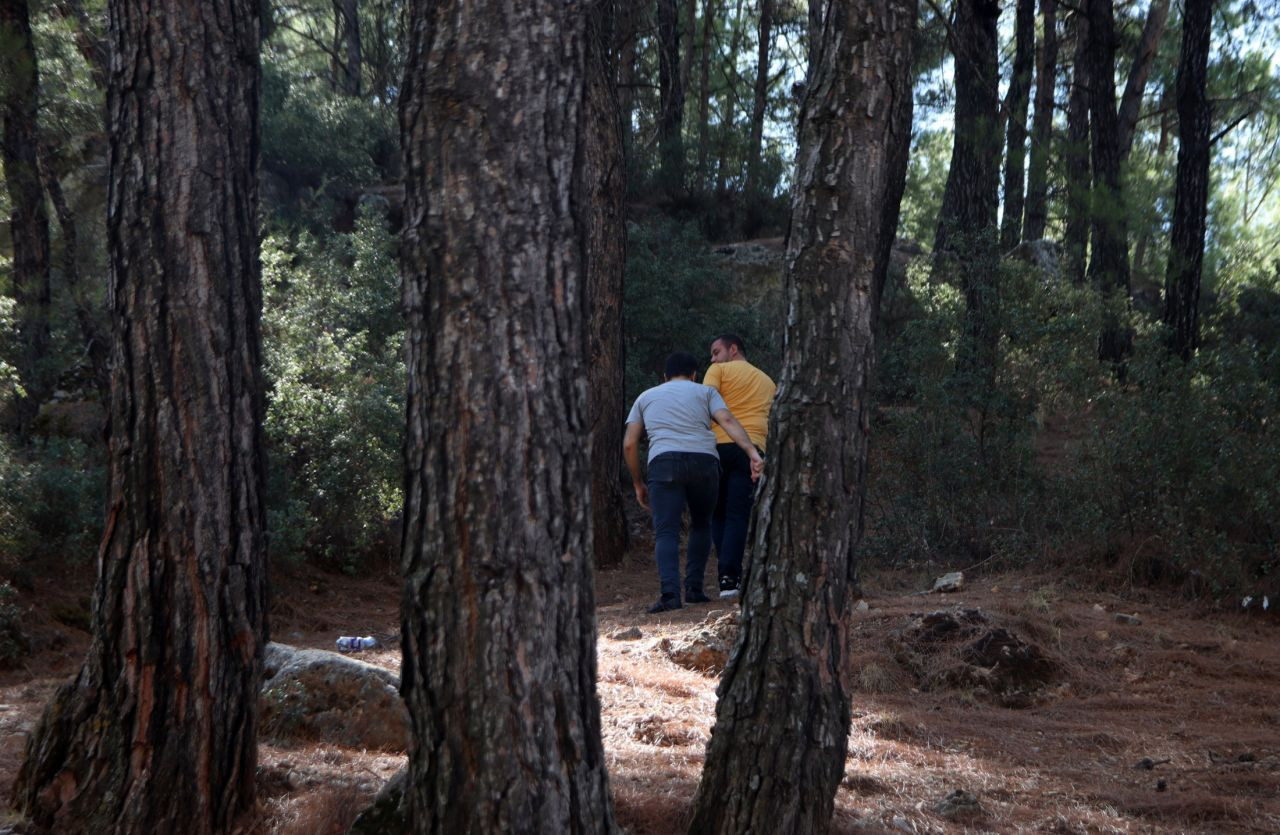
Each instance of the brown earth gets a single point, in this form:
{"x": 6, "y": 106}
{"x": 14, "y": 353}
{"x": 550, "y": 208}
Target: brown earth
{"x": 1044, "y": 706}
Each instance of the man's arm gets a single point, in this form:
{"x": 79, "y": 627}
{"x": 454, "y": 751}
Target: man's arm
{"x": 631, "y": 451}
{"x": 734, "y": 430}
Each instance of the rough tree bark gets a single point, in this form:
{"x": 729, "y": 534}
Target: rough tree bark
{"x": 157, "y": 732}
{"x": 1037, "y": 208}
{"x": 1075, "y": 154}
{"x": 670, "y": 101}
{"x": 603, "y": 188}
{"x": 966, "y": 235}
{"x": 1019, "y": 101}
{"x": 498, "y": 618}
{"x": 1108, "y": 227}
{"x": 1186, "y": 239}
{"x": 1143, "y": 60}
{"x": 778, "y": 748}
{"x": 28, "y": 220}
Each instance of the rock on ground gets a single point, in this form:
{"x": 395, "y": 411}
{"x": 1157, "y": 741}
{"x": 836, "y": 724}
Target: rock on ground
{"x": 313, "y": 694}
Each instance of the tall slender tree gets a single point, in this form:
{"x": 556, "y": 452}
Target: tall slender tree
{"x": 782, "y": 719}
{"x": 670, "y": 100}
{"x": 28, "y": 220}
{"x": 759, "y": 99}
{"x": 704, "y": 91}
{"x": 1108, "y": 227}
{"x": 1019, "y": 103}
{"x": 498, "y": 621}
{"x": 347, "y": 53}
{"x": 603, "y": 188}
{"x": 1075, "y": 154}
{"x": 1144, "y": 58}
{"x": 157, "y": 732}
{"x": 1191, "y": 195}
{"x": 1037, "y": 206}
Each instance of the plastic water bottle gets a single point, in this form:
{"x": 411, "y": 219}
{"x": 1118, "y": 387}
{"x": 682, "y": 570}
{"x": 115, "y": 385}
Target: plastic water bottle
{"x": 351, "y": 643}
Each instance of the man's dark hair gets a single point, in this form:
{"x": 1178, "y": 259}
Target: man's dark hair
{"x": 681, "y": 364}
{"x": 732, "y": 339}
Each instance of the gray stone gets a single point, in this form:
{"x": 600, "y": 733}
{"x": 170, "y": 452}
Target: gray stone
{"x": 387, "y": 814}
{"x": 632, "y": 634}
{"x": 949, "y": 582}
{"x": 1128, "y": 620}
{"x": 958, "y": 803}
{"x": 316, "y": 695}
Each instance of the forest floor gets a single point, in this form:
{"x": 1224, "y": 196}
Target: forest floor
{"x": 1188, "y": 690}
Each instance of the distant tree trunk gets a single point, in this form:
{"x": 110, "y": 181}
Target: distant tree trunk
{"x": 1186, "y": 240}
{"x": 625, "y": 45}
{"x": 1019, "y": 101}
{"x": 670, "y": 101}
{"x": 1075, "y": 155}
{"x": 498, "y": 618}
{"x": 28, "y": 222}
{"x": 89, "y": 42}
{"x": 759, "y": 101}
{"x": 96, "y": 343}
{"x": 157, "y": 733}
{"x": 1143, "y": 60}
{"x": 349, "y": 69}
{"x": 704, "y": 93}
{"x": 727, "y": 117}
{"x": 690, "y": 11}
{"x": 966, "y": 237}
{"x": 603, "y": 188}
{"x": 1037, "y": 208}
{"x": 1143, "y": 245}
{"x": 778, "y": 748}
{"x": 1108, "y": 228}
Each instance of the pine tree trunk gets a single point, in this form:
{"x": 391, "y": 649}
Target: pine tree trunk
{"x": 348, "y": 12}
{"x": 759, "y": 100}
{"x": 1143, "y": 61}
{"x": 704, "y": 93}
{"x": 778, "y": 748}
{"x": 498, "y": 617}
{"x": 628, "y": 20}
{"x": 1186, "y": 239}
{"x": 157, "y": 732}
{"x": 1019, "y": 101}
{"x": 1037, "y": 208}
{"x": 1108, "y": 228}
{"x": 1075, "y": 156}
{"x": 966, "y": 236}
{"x": 670, "y": 101}
{"x": 603, "y": 188}
{"x": 728, "y": 115}
{"x": 28, "y": 221}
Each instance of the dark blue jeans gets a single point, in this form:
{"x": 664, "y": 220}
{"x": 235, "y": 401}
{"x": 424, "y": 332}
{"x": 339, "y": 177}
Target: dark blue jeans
{"x": 677, "y": 480}
{"x": 733, "y": 509}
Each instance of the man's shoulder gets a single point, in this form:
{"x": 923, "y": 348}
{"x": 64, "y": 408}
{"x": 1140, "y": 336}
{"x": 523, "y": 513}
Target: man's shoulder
{"x": 745, "y": 369}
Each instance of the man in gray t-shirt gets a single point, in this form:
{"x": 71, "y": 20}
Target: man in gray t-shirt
{"x": 684, "y": 470}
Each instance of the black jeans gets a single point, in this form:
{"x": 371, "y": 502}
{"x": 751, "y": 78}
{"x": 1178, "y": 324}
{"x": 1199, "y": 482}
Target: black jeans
{"x": 733, "y": 509}
{"x": 677, "y": 479}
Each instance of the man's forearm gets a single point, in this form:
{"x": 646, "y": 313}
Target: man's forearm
{"x": 632, "y": 454}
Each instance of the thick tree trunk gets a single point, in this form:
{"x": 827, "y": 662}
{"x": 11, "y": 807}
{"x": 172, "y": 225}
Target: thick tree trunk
{"x": 1186, "y": 239}
{"x": 1019, "y": 103}
{"x": 498, "y": 617}
{"x": 28, "y": 221}
{"x": 1143, "y": 60}
{"x": 348, "y": 70}
{"x": 1108, "y": 228}
{"x": 966, "y": 235}
{"x": 603, "y": 188}
{"x": 1037, "y": 208}
{"x": 670, "y": 101}
{"x": 759, "y": 100}
{"x": 1075, "y": 155}
{"x": 778, "y": 748}
{"x": 157, "y": 733}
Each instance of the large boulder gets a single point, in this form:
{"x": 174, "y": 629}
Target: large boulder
{"x": 313, "y": 694}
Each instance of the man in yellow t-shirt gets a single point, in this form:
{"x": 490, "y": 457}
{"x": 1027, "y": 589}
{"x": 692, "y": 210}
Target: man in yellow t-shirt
{"x": 748, "y": 392}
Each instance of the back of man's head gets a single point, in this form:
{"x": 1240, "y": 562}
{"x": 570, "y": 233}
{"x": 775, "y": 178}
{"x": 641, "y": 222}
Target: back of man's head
{"x": 681, "y": 364}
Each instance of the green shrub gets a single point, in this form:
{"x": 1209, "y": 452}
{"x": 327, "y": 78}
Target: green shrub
{"x": 52, "y": 500}
{"x": 333, "y": 337}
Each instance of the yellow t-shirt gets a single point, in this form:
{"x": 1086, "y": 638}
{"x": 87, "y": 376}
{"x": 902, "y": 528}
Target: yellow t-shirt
{"x": 748, "y": 392}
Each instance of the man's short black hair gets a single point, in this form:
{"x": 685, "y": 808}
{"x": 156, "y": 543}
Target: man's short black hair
{"x": 732, "y": 339}
{"x": 681, "y": 364}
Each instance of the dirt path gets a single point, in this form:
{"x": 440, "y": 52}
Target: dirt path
{"x": 1195, "y": 692}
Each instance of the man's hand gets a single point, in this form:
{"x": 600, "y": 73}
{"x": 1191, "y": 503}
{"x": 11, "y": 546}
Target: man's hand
{"x": 757, "y": 467}
{"x": 642, "y": 494}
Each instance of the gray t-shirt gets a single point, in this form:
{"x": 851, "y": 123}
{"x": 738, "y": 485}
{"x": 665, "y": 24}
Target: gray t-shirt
{"x": 677, "y": 417}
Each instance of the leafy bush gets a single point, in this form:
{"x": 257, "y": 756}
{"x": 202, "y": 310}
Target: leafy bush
{"x": 332, "y": 343}
{"x": 52, "y": 500}
{"x": 13, "y": 641}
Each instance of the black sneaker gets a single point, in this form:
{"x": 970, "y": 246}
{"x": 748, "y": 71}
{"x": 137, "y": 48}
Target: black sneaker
{"x": 728, "y": 586}
{"x": 696, "y": 597}
{"x": 666, "y": 603}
